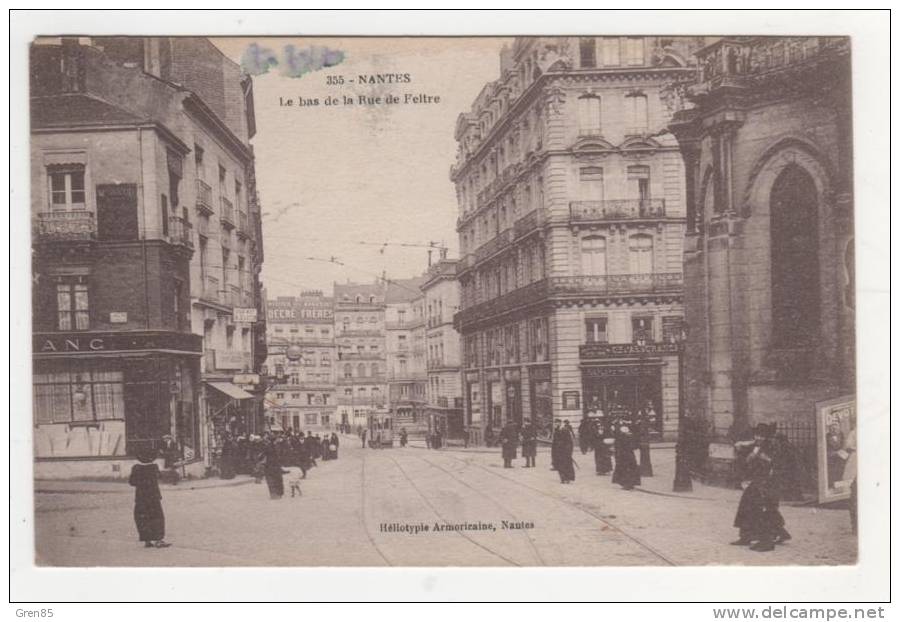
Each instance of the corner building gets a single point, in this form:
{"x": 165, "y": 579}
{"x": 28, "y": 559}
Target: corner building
{"x": 117, "y": 124}
{"x": 769, "y": 276}
{"x": 571, "y": 221}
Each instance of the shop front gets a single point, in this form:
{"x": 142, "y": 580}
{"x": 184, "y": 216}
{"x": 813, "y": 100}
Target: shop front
{"x": 473, "y": 418}
{"x": 102, "y": 397}
{"x": 625, "y": 381}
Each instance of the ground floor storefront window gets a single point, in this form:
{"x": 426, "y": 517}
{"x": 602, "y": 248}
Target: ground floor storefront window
{"x": 87, "y": 407}
{"x": 633, "y": 392}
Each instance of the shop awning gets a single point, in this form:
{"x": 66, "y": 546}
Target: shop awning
{"x": 231, "y": 390}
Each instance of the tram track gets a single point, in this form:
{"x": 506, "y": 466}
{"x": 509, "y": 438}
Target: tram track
{"x": 443, "y": 518}
{"x": 362, "y": 513}
{"x": 503, "y": 507}
{"x": 643, "y": 545}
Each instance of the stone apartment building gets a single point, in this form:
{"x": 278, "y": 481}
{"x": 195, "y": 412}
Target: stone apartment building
{"x": 361, "y": 372}
{"x": 767, "y": 140}
{"x": 444, "y": 383}
{"x": 571, "y": 221}
{"x": 302, "y": 357}
{"x": 404, "y": 339}
{"x": 118, "y": 346}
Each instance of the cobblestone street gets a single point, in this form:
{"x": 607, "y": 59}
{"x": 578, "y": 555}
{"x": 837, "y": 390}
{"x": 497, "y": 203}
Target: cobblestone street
{"x": 338, "y": 520}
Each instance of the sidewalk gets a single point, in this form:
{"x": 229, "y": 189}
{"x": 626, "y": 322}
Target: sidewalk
{"x": 69, "y": 486}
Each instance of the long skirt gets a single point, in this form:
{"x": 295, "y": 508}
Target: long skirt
{"x": 566, "y": 468}
{"x": 275, "y": 482}
{"x": 150, "y": 521}
{"x": 227, "y": 468}
{"x": 509, "y": 451}
{"x": 602, "y": 459}
{"x": 627, "y": 473}
{"x": 757, "y": 515}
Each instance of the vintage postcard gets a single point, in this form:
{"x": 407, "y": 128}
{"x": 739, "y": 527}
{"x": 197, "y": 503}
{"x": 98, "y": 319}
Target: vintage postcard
{"x": 507, "y": 301}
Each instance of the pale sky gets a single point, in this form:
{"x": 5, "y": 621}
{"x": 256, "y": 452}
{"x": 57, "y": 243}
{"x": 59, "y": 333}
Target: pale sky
{"x": 330, "y": 177}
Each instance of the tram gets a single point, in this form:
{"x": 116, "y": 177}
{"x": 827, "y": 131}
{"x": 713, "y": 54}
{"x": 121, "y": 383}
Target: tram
{"x": 380, "y": 426}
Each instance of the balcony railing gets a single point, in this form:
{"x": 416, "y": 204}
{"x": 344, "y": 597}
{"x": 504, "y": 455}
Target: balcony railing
{"x": 613, "y": 284}
{"x": 243, "y": 228}
{"x": 376, "y": 379}
{"x": 360, "y": 356}
{"x": 359, "y": 333}
{"x": 226, "y": 213}
{"x": 527, "y": 223}
{"x": 66, "y": 226}
{"x": 617, "y": 209}
{"x": 494, "y": 245}
{"x": 204, "y": 198}
{"x": 203, "y": 226}
{"x": 180, "y": 232}
{"x": 730, "y": 59}
{"x": 618, "y": 283}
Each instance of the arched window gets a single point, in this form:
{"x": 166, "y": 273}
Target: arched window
{"x": 593, "y": 256}
{"x": 361, "y": 370}
{"x": 796, "y": 304}
{"x": 375, "y": 369}
{"x": 640, "y": 254}
{"x": 348, "y": 371}
{"x": 589, "y": 115}
{"x": 358, "y": 298}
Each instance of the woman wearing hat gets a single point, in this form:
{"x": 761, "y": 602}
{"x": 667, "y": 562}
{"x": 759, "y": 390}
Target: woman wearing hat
{"x": 148, "y": 512}
{"x": 758, "y": 518}
{"x": 627, "y": 474}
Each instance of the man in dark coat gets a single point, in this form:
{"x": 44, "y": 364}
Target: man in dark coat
{"x": 148, "y": 512}
{"x": 627, "y": 473}
{"x": 602, "y": 460}
{"x": 509, "y": 440}
{"x": 310, "y": 444}
{"x": 529, "y": 444}
{"x": 554, "y": 445}
{"x": 228, "y": 458}
{"x": 585, "y": 434}
{"x": 564, "y": 443}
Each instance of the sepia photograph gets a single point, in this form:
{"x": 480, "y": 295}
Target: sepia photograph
{"x": 583, "y": 300}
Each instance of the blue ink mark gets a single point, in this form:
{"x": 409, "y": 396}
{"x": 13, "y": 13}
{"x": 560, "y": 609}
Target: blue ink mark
{"x": 257, "y": 60}
{"x": 301, "y": 61}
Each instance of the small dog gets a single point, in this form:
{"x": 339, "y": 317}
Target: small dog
{"x": 295, "y": 486}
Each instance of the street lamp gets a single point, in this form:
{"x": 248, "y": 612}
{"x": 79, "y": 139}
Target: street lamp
{"x": 682, "y": 481}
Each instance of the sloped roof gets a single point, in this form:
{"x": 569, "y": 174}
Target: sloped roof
{"x": 77, "y": 109}
{"x": 404, "y": 290}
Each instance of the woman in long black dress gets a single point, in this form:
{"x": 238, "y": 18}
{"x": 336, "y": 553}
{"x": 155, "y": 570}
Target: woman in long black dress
{"x": 334, "y": 443}
{"x": 273, "y": 471}
{"x": 148, "y": 512}
{"x": 627, "y": 474}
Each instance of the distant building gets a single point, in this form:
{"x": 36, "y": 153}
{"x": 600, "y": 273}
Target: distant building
{"x": 361, "y": 372}
{"x": 444, "y": 386}
{"x": 302, "y": 358}
{"x": 404, "y": 338}
{"x": 769, "y": 276}
{"x": 121, "y": 347}
{"x": 571, "y": 220}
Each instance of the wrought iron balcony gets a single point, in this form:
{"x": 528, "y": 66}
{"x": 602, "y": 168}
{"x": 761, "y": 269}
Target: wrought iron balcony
{"x": 494, "y": 245}
{"x": 616, "y": 209}
{"x": 204, "y": 198}
{"x": 564, "y": 286}
{"x": 618, "y": 283}
{"x": 528, "y": 223}
{"x": 180, "y": 232}
{"x": 74, "y": 226}
{"x": 226, "y": 213}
